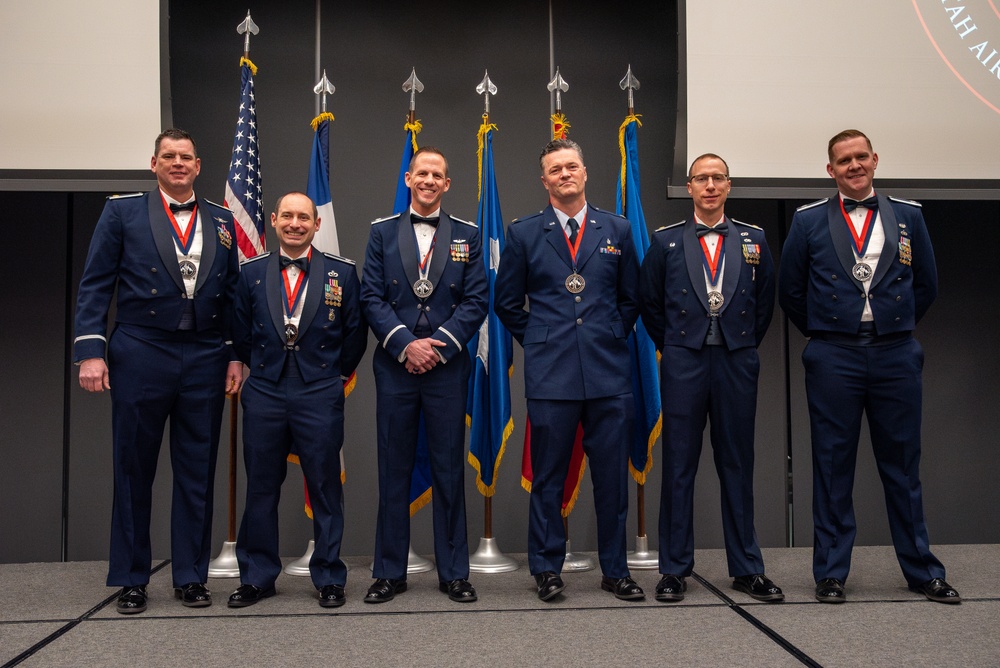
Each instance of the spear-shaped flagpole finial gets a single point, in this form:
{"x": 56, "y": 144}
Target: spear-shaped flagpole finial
{"x": 630, "y": 83}
{"x": 248, "y": 27}
{"x": 486, "y": 88}
{"x": 559, "y": 85}
{"x": 324, "y": 88}
{"x": 413, "y": 86}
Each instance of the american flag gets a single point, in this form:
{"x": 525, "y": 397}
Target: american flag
{"x": 243, "y": 187}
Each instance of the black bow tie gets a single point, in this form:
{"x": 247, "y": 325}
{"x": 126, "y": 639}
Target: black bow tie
{"x": 414, "y": 218}
{"x": 852, "y": 204}
{"x": 174, "y": 208}
{"x": 301, "y": 262}
{"x": 722, "y": 228}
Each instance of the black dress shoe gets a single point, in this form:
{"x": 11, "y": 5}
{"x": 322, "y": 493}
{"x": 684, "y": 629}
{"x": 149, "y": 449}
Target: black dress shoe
{"x": 459, "y": 590}
{"x": 247, "y": 595}
{"x": 758, "y": 586}
{"x": 383, "y": 590}
{"x": 623, "y": 588}
{"x": 830, "y": 590}
{"x": 194, "y": 595}
{"x": 671, "y": 588}
{"x": 935, "y": 590}
{"x": 332, "y": 596}
{"x": 549, "y": 585}
{"x": 131, "y": 600}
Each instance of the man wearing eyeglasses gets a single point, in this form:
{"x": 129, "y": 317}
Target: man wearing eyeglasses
{"x": 857, "y": 274}
{"x": 706, "y": 293}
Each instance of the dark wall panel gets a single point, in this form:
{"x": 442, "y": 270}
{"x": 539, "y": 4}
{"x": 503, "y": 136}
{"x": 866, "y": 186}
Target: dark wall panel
{"x": 33, "y": 359}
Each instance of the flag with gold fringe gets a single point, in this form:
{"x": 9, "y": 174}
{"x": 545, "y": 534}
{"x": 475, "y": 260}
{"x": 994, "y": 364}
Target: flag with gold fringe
{"x": 642, "y": 352}
{"x": 244, "y": 193}
{"x": 326, "y": 239}
{"x": 420, "y": 479}
{"x": 492, "y": 349}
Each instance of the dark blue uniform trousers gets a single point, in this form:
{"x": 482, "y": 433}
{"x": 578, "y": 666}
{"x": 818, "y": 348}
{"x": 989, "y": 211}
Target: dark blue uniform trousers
{"x": 276, "y": 417}
{"x": 884, "y": 382}
{"x": 441, "y": 395}
{"x": 720, "y": 385}
{"x": 156, "y": 376}
{"x": 608, "y": 424}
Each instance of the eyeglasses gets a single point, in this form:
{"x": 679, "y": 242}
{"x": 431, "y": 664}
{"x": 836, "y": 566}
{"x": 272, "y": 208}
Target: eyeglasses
{"x": 702, "y": 179}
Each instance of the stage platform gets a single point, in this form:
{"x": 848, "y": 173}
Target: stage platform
{"x": 61, "y": 614}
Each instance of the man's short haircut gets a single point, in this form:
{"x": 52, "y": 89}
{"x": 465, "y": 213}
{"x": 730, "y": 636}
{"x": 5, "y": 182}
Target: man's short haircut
{"x": 277, "y": 204}
{"x": 844, "y": 135}
{"x": 558, "y": 145}
{"x": 704, "y": 156}
{"x": 177, "y": 135}
{"x": 432, "y": 150}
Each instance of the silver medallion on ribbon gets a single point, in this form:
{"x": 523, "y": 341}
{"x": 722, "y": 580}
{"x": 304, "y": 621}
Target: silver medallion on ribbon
{"x": 575, "y": 283}
{"x": 715, "y": 300}
{"x": 188, "y": 269}
{"x": 862, "y": 271}
{"x": 423, "y": 288}
{"x": 291, "y": 334}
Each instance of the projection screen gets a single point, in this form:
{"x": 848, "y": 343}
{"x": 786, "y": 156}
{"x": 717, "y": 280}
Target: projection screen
{"x": 767, "y": 83}
{"x": 80, "y": 90}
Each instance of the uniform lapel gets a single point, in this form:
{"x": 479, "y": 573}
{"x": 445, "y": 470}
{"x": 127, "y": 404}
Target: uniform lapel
{"x": 407, "y": 243}
{"x": 161, "y": 229}
{"x": 591, "y": 240}
{"x": 555, "y": 236}
{"x": 314, "y": 291}
{"x": 890, "y": 227}
{"x": 272, "y": 284}
{"x": 440, "y": 258}
{"x": 843, "y": 243}
{"x": 208, "y": 243}
{"x": 732, "y": 268}
{"x": 694, "y": 256}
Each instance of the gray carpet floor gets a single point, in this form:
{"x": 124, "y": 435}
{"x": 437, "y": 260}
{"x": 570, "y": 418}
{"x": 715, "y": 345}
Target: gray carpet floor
{"x": 61, "y": 614}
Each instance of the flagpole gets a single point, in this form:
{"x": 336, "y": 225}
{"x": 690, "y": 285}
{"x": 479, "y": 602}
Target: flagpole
{"x": 488, "y": 558}
{"x": 573, "y": 562}
{"x": 300, "y": 567}
{"x": 225, "y": 565}
{"x": 642, "y": 558}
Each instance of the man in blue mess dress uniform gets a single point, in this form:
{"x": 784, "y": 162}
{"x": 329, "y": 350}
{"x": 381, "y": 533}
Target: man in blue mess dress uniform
{"x": 857, "y": 274}
{"x": 425, "y": 294}
{"x": 171, "y": 257}
{"x": 298, "y": 327}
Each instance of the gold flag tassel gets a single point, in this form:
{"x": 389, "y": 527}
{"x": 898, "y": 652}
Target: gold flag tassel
{"x": 481, "y": 142}
{"x": 415, "y": 127}
{"x": 560, "y": 126}
{"x": 621, "y": 146}
{"x": 249, "y": 63}
{"x": 325, "y": 116}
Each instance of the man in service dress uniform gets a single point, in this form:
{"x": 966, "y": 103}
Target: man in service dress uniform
{"x": 171, "y": 257}
{"x": 857, "y": 274}
{"x": 707, "y": 297}
{"x": 424, "y": 303}
{"x": 576, "y": 267}
{"x": 298, "y": 326}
